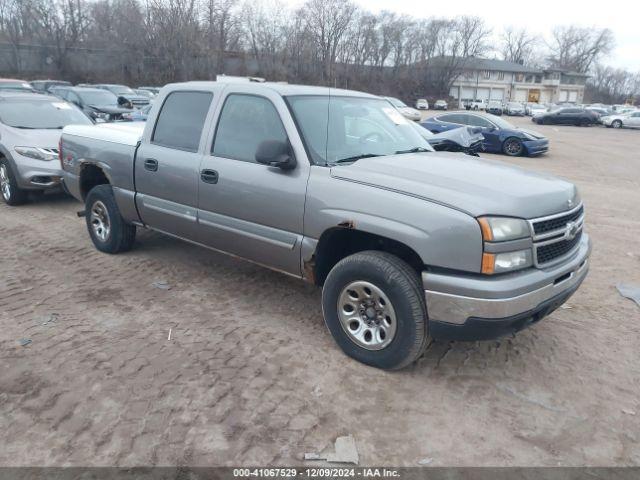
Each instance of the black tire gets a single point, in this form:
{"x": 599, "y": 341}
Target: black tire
{"x": 401, "y": 284}
{"x": 101, "y": 209}
{"x": 513, "y": 147}
{"x": 616, "y": 124}
{"x": 11, "y": 193}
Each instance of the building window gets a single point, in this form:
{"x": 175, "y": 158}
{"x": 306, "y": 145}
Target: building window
{"x": 500, "y": 75}
{"x": 519, "y": 77}
{"x": 486, "y": 74}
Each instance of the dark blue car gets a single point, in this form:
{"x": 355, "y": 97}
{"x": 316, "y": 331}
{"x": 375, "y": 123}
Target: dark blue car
{"x": 499, "y": 135}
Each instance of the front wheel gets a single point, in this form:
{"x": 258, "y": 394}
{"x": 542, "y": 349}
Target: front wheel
{"x": 11, "y": 193}
{"x": 374, "y": 307}
{"x": 513, "y": 147}
{"x": 107, "y": 229}
{"x": 616, "y": 124}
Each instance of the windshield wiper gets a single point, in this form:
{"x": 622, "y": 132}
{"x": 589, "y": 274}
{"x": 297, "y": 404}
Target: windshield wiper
{"x": 413, "y": 150}
{"x": 356, "y": 158}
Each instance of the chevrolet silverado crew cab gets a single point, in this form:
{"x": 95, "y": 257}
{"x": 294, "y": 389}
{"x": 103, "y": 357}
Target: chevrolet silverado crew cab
{"x": 338, "y": 188}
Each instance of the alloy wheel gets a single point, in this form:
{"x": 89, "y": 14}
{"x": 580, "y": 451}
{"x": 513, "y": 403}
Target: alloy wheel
{"x": 100, "y": 222}
{"x": 5, "y": 182}
{"x": 367, "y": 315}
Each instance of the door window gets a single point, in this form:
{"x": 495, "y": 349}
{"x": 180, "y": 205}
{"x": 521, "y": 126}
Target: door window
{"x": 181, "y": 120}
{"x": 245, "y": 122}
{"x": 459, "y": 118}
{"x": 477, "y": 121}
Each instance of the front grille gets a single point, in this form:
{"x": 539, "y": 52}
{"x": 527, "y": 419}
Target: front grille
{"x": 549, "y": 252}
{"x": 557, "y": 223}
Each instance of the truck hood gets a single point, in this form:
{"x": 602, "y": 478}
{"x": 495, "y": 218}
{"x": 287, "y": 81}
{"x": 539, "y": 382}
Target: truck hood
{"x": 473, "y": 185}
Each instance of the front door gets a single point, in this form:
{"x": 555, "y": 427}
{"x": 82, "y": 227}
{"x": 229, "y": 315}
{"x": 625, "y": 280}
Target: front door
{"x": 245, "y": 208}
{"x": 167, "y": 166}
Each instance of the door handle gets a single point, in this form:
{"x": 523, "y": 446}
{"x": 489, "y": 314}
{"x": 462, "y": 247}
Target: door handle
{"x": 209, "y": 176}
{"x": 151, "y": 164}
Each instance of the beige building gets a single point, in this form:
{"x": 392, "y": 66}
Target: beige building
{"x": 486, "y": 79}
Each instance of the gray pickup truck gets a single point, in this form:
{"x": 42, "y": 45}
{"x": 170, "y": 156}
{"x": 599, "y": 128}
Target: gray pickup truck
{"x": 337, "y": 188}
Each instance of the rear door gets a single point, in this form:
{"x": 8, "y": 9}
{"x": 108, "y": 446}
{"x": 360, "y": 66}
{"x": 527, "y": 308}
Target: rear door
{"x": 246, "y": 208}
{"x": 167, "y": 164}
{"x": 490, "y": 132}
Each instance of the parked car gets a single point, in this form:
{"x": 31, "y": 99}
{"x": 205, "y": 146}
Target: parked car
{"x": 499, "y": 135}
{"x": 154, "y": 90}
{"x": 100, "y": 105}
{"x": 626, "y": 120}
{"x": 537, "y": 109}
{"x": 44, "y": 86}
{"x": 145, "y": 93}
{"x": 514, "y": 109}
{"x": 30, "y": 127}
{"x": 137, "y": 115}
{"x": 464, "y": 139}
{"x": 408, "y": 112}
{"x": 354, "y": 201}
{"x": 15, "y": 85}
{"x": 422, "y": 104}
{"x": 133, "y": 99}
{"x": 469, "y": 104}
{"x": 440, "y": 105}
{"x": 567, "y": 116}
{"x": 495, "y": 108}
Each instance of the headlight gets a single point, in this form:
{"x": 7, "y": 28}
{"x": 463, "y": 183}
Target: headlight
{"x": 500, "y": 229}
{"x": 37, "y": 153}
{"x": 503, "y": 229}
{"x": 506, "y": 262}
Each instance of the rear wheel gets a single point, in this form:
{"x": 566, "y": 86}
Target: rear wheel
{"x": 107, "y": 229}
{"x": 11, "y": 193}
{"x": 513, "y": 147}
{"x": 616, "y": 124}
{"x": 374, "y": 307}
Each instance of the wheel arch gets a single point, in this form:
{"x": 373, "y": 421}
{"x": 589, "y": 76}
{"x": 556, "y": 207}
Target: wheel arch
{"x": 341, "y": 241}
{"x": 91, "y": 175}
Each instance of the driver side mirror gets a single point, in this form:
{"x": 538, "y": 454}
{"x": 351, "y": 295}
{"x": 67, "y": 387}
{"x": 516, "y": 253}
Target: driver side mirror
{"x": 276, "y": 153}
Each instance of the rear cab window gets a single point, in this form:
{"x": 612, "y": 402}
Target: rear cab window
{"x": 181, "y": 120}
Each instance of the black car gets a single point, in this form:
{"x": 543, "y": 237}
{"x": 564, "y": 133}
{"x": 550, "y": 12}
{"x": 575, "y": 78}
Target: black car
{"x": 567, "y": 116}
{"x": 125, "y": 95}
{"x": 100, "y": 105}
{"x": 45, "y": 86}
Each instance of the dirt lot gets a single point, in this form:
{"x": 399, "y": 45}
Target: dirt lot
{"x": 251, "y": 375}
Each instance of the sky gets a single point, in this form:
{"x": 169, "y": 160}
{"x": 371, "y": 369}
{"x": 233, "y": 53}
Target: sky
{"x": 539, "y": 16}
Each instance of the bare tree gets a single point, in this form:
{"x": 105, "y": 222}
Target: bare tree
{"x": 326, "y": 22}
{"x": 577, "y": 48}
{"x": 518, "y": 45}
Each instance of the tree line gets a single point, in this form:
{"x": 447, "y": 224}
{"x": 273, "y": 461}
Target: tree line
{"x": 323, "y": 42}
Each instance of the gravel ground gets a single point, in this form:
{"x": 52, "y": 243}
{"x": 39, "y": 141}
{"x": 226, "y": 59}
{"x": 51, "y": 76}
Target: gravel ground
{"x": 251, "y": 375}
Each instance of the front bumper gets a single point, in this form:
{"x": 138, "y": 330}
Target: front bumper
{"x": 536, "y": 147}
{"x": 469, "y": 307}
{"x": 37, "y": 174}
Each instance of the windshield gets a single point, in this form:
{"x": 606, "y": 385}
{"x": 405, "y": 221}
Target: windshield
{"x": 514, "y": 104}
{"x": 121, "y": 90}
{"x": 40, "y": 114}
{"x": 396, "y": 103}
{"x": 99, "y": 97}
{"x": 338, "y": 129}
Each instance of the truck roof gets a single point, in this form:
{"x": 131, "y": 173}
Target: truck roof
{"x": 283, "y": 89}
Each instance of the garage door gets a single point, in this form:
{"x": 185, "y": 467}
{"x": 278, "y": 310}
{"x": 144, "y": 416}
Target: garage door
{"x": 564, "y": 96}
{"x": 453, "y": 92}
{"x": 521, "y": 95}
{"x": 467, "y": 93}
{"x": 497, "y": 94}
{"x": 573, "y": 96}
{"x": 483, "y": 94}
